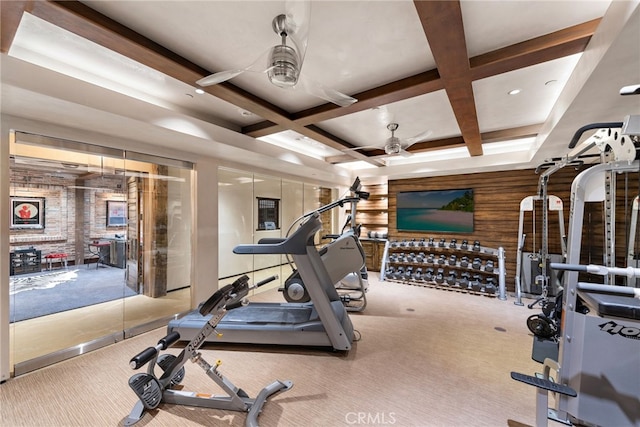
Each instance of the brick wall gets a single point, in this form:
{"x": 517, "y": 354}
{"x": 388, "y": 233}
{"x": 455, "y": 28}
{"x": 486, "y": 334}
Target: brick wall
{"x": 60, "y": 197}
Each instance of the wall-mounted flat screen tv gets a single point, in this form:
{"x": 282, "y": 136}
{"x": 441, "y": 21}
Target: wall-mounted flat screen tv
{"x": 435, "y": 210}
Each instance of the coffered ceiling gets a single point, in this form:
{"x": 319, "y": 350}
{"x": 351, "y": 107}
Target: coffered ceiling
{"x": 442, "y": 71}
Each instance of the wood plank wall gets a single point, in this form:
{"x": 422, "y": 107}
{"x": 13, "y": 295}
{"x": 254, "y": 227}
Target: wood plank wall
{"x": 497, "y": 197}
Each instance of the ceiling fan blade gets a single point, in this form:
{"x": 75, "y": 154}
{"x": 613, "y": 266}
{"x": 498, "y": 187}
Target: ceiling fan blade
{"x": 298, "y": 15}
{"x": 364, "y": 147}
{"x": 383, "y": 116}
{"x": 404, "y": 153}
{"x": 258, "y": 66}
{"x": 417, "y": 138}
{"x": 220, "y": 77}
{"x": 321, "y": 91}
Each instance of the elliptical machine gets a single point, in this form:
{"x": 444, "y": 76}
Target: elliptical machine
{"x": 352, "y": 288}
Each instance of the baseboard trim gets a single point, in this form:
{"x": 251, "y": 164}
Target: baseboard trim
{"x": 67, "y": 353}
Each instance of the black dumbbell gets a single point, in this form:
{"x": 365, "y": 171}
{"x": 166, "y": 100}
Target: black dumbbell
{"x": 408, "y": 273}
{"x": 464, "y": 280}
{"x": 453, "y": 277}
{"x": 489, "y": 286}
{"x": 488, "y": 266}
{"x": 428, "y": 275}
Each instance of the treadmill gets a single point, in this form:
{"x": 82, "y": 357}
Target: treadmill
{"x": 322, "y": 322}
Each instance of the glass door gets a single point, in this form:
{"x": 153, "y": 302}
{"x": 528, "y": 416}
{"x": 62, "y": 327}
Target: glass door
{"x": 158, "y": 246}
{"x": 100, "y": 244}
{"x": 66, "y": 216}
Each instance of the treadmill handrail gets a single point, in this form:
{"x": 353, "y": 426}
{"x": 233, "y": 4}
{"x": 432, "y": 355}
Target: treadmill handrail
{"x": 295, "y": 244}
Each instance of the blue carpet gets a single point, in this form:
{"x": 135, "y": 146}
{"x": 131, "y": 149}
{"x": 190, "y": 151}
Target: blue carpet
{"x": 40, "y": 294}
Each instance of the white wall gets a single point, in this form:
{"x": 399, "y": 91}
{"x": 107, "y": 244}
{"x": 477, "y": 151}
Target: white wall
{"x": 205, "y": 231}
{"x": 237, "y": 209}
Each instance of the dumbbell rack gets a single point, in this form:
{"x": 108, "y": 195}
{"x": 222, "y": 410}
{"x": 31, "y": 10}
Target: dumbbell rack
{"x": 461, "y": 266}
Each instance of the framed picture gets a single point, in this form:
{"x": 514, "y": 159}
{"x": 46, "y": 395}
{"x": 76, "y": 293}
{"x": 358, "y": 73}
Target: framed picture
{"x": 449, "y": 211}
{"x": 116, "y": 213}
{"x": 27, "y": 212}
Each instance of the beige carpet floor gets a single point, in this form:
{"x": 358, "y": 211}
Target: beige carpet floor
{"x": 426, "y": 357}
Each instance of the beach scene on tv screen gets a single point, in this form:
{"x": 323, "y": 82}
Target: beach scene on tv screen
{"x": 437, "y": 210}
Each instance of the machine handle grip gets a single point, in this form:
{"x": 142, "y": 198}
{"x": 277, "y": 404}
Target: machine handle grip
{"x": 169, "y": 340}
{"x": 143, "y": 357}
{"x": 583, "y": 129}
{"x": 267, "y": 280}
{"x": 623, "y": 291}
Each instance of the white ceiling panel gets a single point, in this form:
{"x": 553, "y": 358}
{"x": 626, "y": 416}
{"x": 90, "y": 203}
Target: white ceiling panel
{"x": 430, "y": 112}
{"x": 539, "y": 87}
{"x": 491, "y": 25}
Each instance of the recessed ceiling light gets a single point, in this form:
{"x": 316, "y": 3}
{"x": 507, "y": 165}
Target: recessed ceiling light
{"x": 514, "y": 92}
{"x": 199, "y": 91}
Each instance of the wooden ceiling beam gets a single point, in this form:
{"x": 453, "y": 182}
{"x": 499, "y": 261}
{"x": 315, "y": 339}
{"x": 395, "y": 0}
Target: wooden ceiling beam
{"x": 558, "y": 44}
{"x": 442, "y": 24}
{"x": 10, "y": 16}
{"x": 513, "y": 133}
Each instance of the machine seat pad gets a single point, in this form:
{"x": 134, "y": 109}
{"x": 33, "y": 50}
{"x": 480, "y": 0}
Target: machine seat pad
{"x": 612, "y": 305}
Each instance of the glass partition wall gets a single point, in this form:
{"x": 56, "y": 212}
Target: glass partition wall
{"x": 254, "y": 206}
{"x": 100, "y": 246}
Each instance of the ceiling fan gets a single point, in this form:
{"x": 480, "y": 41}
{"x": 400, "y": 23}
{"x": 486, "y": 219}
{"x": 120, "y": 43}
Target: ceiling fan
{"x": 395, "y": 146}
{"x": 283, "y": 63}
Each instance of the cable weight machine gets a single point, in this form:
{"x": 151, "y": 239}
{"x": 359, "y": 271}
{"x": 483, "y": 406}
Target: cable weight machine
{"x": 610, "y": 142}
{"x": 594, "y": 373}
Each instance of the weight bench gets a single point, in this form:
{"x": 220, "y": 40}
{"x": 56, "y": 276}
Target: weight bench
{"x": 51, "y": 258}
{"x": 544, "y": 384}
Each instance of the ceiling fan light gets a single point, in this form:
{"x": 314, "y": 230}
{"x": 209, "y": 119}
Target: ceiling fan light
{"x": 283, "y": 66}
{"x": 393, "y": 148}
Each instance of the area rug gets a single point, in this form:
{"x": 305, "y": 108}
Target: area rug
{"x": 41, "y": 294}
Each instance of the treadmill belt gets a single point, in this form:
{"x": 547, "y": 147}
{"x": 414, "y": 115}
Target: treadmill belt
{"x": 250, "y": 314}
